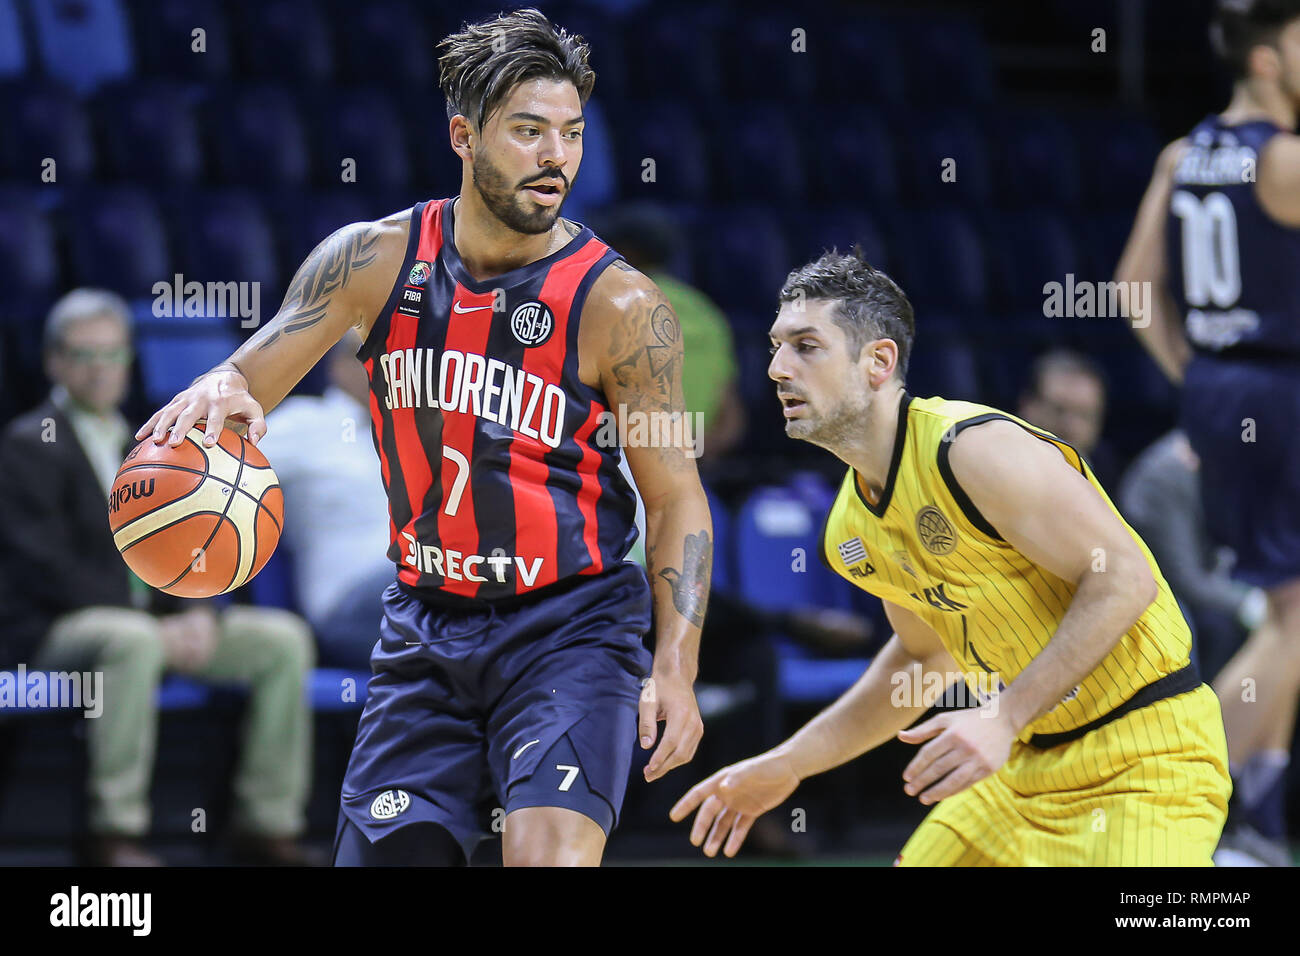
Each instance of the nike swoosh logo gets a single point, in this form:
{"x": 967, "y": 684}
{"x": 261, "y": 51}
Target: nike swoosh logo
{"x": 455, "y": 307}
{"x": 525, "y": 747}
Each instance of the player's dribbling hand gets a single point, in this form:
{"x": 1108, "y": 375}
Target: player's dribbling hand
{"x": 221, "y": 398}
{"x": 670, "y": 698}
{"x": 964, "y": 747}
{"x": 733, "y": 798}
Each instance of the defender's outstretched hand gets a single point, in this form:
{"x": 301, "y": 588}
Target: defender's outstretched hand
{"x": 733, "y": 798}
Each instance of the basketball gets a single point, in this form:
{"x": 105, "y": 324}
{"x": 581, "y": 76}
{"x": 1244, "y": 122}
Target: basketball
{"x": 195, "y": 521}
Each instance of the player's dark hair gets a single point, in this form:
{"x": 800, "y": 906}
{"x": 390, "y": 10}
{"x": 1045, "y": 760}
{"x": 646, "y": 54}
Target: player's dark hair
{"x": 481, "y": 65}
{"x": 871, "y": 305}
{"x": 1241, "y": 25}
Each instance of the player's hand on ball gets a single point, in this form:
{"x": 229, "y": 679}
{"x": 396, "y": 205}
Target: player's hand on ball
{"x": 221, "y": 398}
{"x": 964, "y": 747}
{"x": 733, "y": 798}
{"x": 668, "y": 697}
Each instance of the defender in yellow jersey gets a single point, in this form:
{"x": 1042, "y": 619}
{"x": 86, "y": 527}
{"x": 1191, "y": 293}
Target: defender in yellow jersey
{"x": 1000, "y": 561}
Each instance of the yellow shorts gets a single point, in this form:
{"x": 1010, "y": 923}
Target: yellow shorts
{"x": 1148, "y": 789}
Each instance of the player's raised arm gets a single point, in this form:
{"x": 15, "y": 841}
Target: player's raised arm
{"x": 639, "y": 359}
{"x": 864, "y": 717}
{"x": 1160, "y": 330}
{"x": 342, "y": 284}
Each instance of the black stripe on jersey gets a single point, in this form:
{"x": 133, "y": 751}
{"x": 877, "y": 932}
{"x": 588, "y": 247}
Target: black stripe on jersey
{"x": 429, "y": 427}
{"x": 955, "y": 489}
{"x": 900, "y": 439}
{"x": 379, "y": 331}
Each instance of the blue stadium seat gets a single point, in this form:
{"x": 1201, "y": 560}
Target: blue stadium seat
{"x": 286, "y": 40}
{"x": 226, "y": 237}
{"x": 667, "y": 133}
{"x": 149, "y": 134}
{"x": 29, "y": 264}
{"x": 932, "y": 139}
{"x": 944, "y": 367}
{"x": 852, "y": 159}
{"x": 334, "y": 689}
{"x": 273, "y": 585}
{"x": 83, "y": 43}
{"x": 816, "y": 229}
{"x": 262, "y": 141}
{"x": 394, "y": 33}
{"x": 724, "y": 552}
{"x": 777, "y": 535}
{"x": 165, "y": 40}
{"x": 1118, "y": 153}
{"x": 940, "y": 258}
{"x": 362, "y": 125}
{"x": 756, "y": 154}
{"x": 744, "y": 258}
{"x": 1028, "y": 250}
{"x": 1035, "y": 162}
{"x": 676, "y": 56}
{"x": 1103, "y": 236}
{"x": 760, "y": 46}
{"x": 303, "y": 220}
{"x": 859, "y": 56}
{"x": 947, "y": 59}
{"x": 181, "y": 693}
{"x": 44, "y": 122}
{"x": 117, "y": 241}
{"x": 170, "y": 361}
{"x": 13, "y": 51}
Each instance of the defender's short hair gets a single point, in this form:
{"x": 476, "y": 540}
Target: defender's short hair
{"x": 870, "y": 304}
{"x": 1241, "y": 25}
{"x": 1062, "y": 360}
{"x": 480, "y": 65}
{"x": 78, "y": 306}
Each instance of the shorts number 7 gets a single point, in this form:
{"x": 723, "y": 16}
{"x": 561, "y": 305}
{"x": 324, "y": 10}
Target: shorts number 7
{"x": 570, "y": 774}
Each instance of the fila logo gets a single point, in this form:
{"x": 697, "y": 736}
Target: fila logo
{"x": 853, "y": 552}
{"x": 455, "y": 307}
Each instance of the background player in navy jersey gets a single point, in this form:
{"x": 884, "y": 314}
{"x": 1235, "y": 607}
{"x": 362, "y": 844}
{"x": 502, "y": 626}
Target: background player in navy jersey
{"x": 499, "y": 338}
{"x": 1218, "y": 238}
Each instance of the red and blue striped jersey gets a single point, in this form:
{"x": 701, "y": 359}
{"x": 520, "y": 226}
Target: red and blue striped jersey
{"x": 487, "y": 437}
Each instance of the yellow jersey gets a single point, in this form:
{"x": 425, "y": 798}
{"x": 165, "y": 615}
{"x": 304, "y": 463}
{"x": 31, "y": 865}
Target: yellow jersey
{"x": 925, "y": 547}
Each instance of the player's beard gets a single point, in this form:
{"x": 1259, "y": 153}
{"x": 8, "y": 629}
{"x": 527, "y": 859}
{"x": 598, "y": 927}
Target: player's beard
{"x": 840, "y": 428}
{"x": 509, "y": 205}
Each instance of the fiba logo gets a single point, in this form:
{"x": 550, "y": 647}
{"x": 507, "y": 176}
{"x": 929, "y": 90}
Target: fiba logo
{"x": 532, "y": 323}
{"x": 935, "y": 532}
{"x": 389, "y": 804}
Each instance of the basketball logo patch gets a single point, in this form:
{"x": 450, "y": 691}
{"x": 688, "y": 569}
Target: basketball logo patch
{"x": 935, "y": 531}
{"x": 532, "y": 323}
{"x": 419, "y": 273}
{"x": 389, "y": 804}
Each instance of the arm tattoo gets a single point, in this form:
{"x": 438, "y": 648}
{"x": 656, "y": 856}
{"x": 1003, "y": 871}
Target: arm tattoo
{"x": 326, "y": 270}
{"x": 661, "y": 353}
{"x": 691, "y": 585}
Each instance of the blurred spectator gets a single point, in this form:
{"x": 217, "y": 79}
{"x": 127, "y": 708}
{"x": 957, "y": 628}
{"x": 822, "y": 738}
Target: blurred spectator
{"x": 82, "y": 609}
{"x": 649, "y": 238}
{"x": 1066, "y": 395}
{"x": 336, "y": 512}
{"x": 1160, "y": 496}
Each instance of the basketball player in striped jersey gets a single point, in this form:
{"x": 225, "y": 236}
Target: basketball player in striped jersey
{"x": 505, "y": 346}
{"x": 1217, "y": 237}
{"x": 999, "y": 559}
